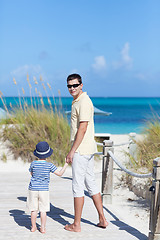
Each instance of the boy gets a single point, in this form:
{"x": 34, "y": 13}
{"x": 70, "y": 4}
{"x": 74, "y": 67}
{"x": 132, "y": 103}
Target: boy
{"x": 38, "y": 197}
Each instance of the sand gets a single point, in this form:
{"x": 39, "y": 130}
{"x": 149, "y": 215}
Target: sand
{"x": 132, "y": 209}
{"x": 135, "y": 210}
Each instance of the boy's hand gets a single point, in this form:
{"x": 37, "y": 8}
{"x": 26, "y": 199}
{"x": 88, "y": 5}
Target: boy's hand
{"x": 66, "y": 161}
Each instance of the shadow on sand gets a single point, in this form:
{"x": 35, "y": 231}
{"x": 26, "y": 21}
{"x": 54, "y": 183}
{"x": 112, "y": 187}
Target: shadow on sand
{"x": 59, "y": 215}
{"x": 125, "y": 227}
{"x": 20, "y": 217}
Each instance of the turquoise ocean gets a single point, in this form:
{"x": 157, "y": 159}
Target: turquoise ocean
{"x": 128, "y": 114}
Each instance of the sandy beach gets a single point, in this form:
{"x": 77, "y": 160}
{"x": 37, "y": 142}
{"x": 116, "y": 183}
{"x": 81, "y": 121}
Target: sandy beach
{"x": 134, "y": 210}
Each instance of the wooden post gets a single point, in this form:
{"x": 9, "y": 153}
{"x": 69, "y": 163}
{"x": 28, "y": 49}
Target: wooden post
{"x": 107, "y": 172}
{"x": 132, "y": 146}
{"x": 154, "y": 225}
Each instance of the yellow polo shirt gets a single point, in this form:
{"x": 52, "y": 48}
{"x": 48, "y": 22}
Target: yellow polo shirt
{"x": 82, "y": 111}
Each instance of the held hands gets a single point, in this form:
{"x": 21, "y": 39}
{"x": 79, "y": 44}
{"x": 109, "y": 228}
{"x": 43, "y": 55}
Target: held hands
{"x": 62, "y": 170}
{"x": 69, "y": 157}
{"x": 65, "y": 162}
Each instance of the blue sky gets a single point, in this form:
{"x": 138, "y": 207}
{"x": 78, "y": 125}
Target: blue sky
{"x": 113, "y": 44}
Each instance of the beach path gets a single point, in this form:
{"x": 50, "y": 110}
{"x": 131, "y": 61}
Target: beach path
{"x": 15, "y": 221}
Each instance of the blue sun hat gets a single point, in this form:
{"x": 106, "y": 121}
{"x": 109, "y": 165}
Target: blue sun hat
{"x": 43, "y": 150}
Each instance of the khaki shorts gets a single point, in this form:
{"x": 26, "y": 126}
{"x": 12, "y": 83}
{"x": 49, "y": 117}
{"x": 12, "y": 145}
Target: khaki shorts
{"x": 38, "y": 201}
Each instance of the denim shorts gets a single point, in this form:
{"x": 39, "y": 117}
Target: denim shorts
{"x": 83, "y": 175}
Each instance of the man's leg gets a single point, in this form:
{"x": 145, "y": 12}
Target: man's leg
{"x": 78, "y": 207}
{"x": 33, "y": 221}
{"x": 93, "y": 191}
{"x": 79, "y": 164}
{"x": 98, "y": 204}
{"x": 43, "y": 222}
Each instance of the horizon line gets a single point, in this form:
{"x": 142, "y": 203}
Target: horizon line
{"x": 89, "y": 96}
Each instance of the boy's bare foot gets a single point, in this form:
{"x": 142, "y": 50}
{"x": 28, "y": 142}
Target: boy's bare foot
{"x": 42, "y": 230}
{"x": 103, "y": 224}
{"x": 33, "y": 229}
{"x": 72, "y": 228}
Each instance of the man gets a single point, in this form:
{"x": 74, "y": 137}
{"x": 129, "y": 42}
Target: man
{"x": 81, "y": 153}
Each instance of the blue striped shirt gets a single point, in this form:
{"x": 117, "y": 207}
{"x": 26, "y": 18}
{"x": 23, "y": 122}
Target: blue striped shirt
{"x": 40, "y": 175}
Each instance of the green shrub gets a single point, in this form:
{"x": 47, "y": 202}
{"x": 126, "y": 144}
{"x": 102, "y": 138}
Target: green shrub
{"x": 148, "y": 148}
{"x": 28, "y": 125}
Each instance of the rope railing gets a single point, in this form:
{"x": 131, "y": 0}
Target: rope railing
{"x": 107, "y": 181}
{"x": 148, "y": 175}
{"x": 97, "y": 153}
{"x": 107, "y": 166}
{"x": 99, "y": 144}
{"x": 121, "y": 144}
{"x": 116, "y": 145}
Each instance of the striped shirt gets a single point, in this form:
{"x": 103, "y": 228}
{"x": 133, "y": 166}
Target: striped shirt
{"x": 40, "y": 179}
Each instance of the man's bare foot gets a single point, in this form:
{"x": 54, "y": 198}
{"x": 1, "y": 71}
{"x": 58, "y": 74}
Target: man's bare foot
{"x": 33, "y": 229}
{"x": 42, "y": 230}
{"x": 103, "y": 224}
{"x": 72, "y": 228}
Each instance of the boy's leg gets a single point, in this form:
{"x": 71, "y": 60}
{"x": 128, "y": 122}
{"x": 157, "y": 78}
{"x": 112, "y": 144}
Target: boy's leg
{"x": 98, "y": 204}
{"x": 32, "y": 204}
{"x": 78, "y": 206}
{"x": 33, "y": 221}
{"x": 44, "y": 206}
{"x": 43, "y": 222}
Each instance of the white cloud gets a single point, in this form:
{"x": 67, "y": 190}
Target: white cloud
{"x": 100, "y": 63}
{"x": 74, "y": 70}
{"x": 26, "y": 69}
{"x": 125, "y": 60}
{"x": 140, "y": 76}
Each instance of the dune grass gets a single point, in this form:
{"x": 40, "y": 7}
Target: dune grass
{"x": 28, "y": 125}
{"x": 147, "y": 148}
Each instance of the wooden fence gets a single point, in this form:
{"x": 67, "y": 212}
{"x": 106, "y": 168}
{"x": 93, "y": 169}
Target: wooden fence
{"x": 107, "y": 186}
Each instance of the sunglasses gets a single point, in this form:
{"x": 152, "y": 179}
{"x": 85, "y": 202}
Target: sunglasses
{"x": 74, "y": 85}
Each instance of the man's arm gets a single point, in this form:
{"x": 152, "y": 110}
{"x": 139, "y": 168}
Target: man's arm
{"x": 79, "y": 137}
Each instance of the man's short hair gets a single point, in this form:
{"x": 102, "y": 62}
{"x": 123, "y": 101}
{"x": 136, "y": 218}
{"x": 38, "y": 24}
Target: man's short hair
{"x": 74, "y": 76}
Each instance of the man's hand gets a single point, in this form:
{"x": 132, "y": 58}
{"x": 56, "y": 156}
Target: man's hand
{"x": 69, "y": 157}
